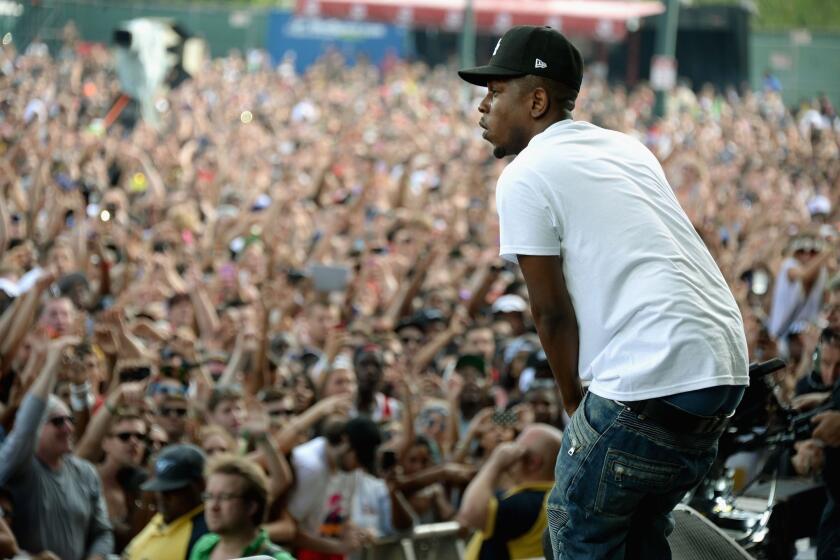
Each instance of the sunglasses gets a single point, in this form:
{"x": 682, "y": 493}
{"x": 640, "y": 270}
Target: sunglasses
{"x": 126, "y": 436}
{"x": 160, "y": 389}
{"x": 280, "y": 412}
{"x": 59, "y": 421}
{"x": 179, "y": 412}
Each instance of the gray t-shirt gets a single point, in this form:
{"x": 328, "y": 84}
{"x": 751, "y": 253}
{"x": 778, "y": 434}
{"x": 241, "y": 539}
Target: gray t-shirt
{"x": 61, "y": 511}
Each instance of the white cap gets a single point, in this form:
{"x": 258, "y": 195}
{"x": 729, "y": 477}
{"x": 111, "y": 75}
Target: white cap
{"x": 509, "y": 303}
{"x": 819, "y": 205}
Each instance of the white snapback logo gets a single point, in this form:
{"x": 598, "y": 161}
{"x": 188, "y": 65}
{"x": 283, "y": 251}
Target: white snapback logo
{"x": 499, "y": 42}
{"x": 540, "y": 64}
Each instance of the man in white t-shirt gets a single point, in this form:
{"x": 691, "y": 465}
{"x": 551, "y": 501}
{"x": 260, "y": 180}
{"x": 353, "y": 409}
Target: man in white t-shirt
{"x": 337, "y": 502}
{"x": 798, "y": 292}
{"x": 624, "y": 295}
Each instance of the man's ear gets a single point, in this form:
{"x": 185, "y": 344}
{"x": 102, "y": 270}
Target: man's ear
{"x": 540, "y": 102}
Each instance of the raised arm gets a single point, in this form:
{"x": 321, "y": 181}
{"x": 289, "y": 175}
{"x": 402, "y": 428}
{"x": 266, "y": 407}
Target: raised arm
{"x": 19, "y": 447}
{"x": 478, "y": 495}
{"x": 90, "y": 446}
{"x": 426, "y": 354}
{"x": 287, "y": 438}
{"x": 279, "y": 471}
{"x": 808, "y": 273}
{"x": 23, "y": 317}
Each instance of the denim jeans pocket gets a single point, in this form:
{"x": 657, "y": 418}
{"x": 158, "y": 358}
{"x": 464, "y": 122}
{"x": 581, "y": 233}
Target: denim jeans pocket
{"x": 581, "y": 435}
{"x": 627, "y": 478}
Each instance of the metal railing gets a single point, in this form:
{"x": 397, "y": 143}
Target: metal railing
{"x": 434, "y": 541}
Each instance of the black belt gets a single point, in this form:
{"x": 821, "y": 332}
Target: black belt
{"x": 675, "y": 419}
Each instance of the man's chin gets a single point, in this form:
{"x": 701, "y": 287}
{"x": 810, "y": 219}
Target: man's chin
{"x": 499, "y": 152}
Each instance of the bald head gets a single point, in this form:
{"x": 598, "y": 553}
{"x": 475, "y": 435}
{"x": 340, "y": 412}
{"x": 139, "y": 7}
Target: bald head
{"x": 541, "y": 443}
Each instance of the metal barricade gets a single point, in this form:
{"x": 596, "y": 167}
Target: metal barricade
{"x": 435, "y": 541}
{"x": 694, "y": 538}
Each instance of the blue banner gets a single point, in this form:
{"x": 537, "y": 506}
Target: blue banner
{"x": 310, "y": 38}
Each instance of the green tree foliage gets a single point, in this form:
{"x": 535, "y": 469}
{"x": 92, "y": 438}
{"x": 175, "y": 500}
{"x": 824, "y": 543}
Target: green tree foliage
{"x": 788, "y": 14}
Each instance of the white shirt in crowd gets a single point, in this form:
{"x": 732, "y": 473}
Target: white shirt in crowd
{"x": 792, "y": 308}
{"x": 654, "y": 312}
{"x": 322, "y": 497}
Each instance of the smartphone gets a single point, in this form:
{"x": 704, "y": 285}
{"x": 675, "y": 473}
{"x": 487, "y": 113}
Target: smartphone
{"x": 328, "y": 278}
{"x": 504, "y": 418}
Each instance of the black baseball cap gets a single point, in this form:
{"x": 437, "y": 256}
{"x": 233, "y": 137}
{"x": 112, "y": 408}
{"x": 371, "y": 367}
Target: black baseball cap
{"x": 527, "y": 49}
{"x": 176, "y": 467}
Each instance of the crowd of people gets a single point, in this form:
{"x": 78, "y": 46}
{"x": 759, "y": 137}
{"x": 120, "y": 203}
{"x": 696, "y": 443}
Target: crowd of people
{"x": 278, "y": 323}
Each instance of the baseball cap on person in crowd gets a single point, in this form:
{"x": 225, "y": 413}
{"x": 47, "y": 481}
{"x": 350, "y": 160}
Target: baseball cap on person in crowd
{"x": 176, "y": 467}
{"x": 471, "y": 361}
{"x": 509, "y": 303}
{"x": 819, "y": 205}
{"x": 527, "y": 49}
{"x": 421, "y": 319}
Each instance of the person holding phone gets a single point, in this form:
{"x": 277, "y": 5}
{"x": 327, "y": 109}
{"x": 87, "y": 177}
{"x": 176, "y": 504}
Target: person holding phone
{"x": 625, "y": 296}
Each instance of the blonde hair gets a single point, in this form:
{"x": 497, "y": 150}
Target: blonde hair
{"x": 214, "y": 430}
{"x": 256, "y": 482}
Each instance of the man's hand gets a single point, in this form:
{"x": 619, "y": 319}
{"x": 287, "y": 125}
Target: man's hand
{"x": 809, "y": 457}
{"x": 336, "y": 404}
{"x": 507, "y": 454}
{"x": 351, "y": 541}
{"x": 56, "y": 350}
{"x": 128, "y": 395}
{"x": 827, "y": 427}
{"x": 809, "y": 400}
{"x": 257, "y": 425}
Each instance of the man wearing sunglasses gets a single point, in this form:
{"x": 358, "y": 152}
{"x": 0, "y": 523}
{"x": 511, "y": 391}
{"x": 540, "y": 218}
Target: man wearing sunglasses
{"x": 125, "y": 451}
{"x": 58, "y": 496}
{"x": 172, "y": 411}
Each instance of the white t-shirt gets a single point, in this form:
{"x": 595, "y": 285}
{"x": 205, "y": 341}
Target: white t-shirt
{"x": 654, "y": 312}
{"x": 323, "y": 500}
{"x": 793, "y": 309}
{"x": 312, "y": 473}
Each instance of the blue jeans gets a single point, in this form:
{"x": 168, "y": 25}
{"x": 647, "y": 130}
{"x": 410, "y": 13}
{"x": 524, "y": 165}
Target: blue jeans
{"x": 828, "y": 538}
{"x": 617, "y": 479}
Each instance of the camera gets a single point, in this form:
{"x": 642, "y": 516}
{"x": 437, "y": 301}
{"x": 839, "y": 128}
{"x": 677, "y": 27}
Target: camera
{"x": 800, "y": 426}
